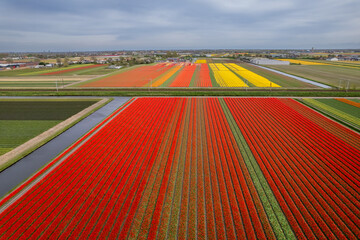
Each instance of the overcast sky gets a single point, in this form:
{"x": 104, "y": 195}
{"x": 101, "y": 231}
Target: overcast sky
{"x": 79, "y": 25}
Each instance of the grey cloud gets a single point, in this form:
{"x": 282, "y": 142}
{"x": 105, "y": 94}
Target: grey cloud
{"x": 94, "y": 25}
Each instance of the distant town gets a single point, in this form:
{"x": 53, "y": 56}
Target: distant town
{"x": 117, "y": 59}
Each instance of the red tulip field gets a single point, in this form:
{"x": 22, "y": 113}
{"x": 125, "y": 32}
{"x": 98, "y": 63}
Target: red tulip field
{"x": 196, "y": 168}
{"x": 193, "y": 75}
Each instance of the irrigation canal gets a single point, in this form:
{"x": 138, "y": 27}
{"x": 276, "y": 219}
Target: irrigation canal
{"x": 296, "y": 77}
{"x": 27, "y": 166}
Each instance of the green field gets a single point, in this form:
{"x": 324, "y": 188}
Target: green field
{"x": 22, "y": 120}
{"x": 279, "y": 79}
{"x": 20, "y": 84}
{"x": 19, "y": 72}
{"x": 335, "y": 63}
{"x": 55, "y": 69}
{"x": 51, "y": 81}
{"x": 35, "y": 71}
{"x": 327, "y": 74}
{"x": 16, "y": 132}
{"x": 344, "y": 107}
{"x": 38, "y": 71}
{"x": 340, "y": 111}
{"x": 30, "y": 78}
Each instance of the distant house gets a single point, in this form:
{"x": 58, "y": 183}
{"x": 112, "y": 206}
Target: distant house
{"x": 334, "y": 59}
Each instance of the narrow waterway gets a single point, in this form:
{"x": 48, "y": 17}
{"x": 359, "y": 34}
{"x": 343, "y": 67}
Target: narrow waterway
{"x": 295, "y": 77}
{"x": 23, "y": 169}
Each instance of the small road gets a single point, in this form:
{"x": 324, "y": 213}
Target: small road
{"x": 24, "y": 168}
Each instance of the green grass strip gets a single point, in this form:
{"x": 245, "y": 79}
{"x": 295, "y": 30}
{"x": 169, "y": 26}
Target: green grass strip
{"x": 176, "y": 205}
{"x": 247, "y": 82}
{"x": 213, "y": 80}
{"x": 195, "y": 77}
{"x": 277, "y": 219}
{"x": 169, "y": 81}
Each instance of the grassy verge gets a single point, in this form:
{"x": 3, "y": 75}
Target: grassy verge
{"x": 212, "y": 77}
{"x": 195, "y": 77}
{"x": 48, "y": 99}
{"x": 184, "y": 92}
{"x": 20, "y": 156}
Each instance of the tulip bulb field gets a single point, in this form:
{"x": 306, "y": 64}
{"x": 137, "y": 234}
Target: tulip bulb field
{"x": 199, "y": 168}
{"x": 197, "y": 74}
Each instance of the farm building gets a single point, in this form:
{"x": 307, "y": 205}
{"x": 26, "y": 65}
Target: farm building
{"x": 266, "y": 61}
{"x": 333, "y": 59}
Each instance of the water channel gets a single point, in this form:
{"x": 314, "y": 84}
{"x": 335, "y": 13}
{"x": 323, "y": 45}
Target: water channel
{"x": 27, "y": 166}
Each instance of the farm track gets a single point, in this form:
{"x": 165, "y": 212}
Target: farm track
{"x": 204, "y": 168}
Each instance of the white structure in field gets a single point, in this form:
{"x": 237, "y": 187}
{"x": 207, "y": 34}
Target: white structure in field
{"x": 266, "y": 61}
